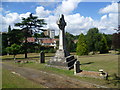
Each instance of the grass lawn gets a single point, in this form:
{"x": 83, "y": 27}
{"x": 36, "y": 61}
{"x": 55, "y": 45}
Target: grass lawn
{"x": 107, "y": 62}
{"x": 10, "y": 80}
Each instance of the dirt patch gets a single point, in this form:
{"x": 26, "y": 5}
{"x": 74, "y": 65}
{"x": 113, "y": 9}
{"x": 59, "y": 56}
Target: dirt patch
{"x": 89, "y": 74}
{"x": 49, "y": 80}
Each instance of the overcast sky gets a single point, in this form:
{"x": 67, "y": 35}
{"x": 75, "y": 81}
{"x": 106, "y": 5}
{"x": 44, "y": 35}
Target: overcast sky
{"x": 80, "y": 16}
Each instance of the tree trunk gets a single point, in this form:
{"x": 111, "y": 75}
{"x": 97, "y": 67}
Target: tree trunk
{"x": 25, "y": 47}
{"x": 14, "y": 57}
{"x": 93, "y": 53}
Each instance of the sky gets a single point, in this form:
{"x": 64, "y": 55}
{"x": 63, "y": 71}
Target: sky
{"x": 79, "y": 16}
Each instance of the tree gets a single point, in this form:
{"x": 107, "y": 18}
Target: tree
{"x": 15, "y": 36}
{"x": 14, "y": 49}
{"x": 70, "y": 45}
{"x": 9, "y": 28}
{"x": 116, "y": 39}
{"x": 29, "y": 26}
{"x": 82, "y": 48}
{"x": 4, "y": 43}
{"x": 103, "y": 45}
{"x": 109, "y": 40}
{"x": 93, "y": 37}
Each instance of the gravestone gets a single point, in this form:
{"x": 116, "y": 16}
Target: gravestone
{"x": 76, "y": 67}
{"x": 62, "y": 56}
{"x": 42, "y": 57}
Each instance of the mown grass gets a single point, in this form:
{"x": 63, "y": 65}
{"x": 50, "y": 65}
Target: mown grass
{"x": 69, "y": 73}
{"x": 107, "y": 62}
{"x": 10, "y": 80}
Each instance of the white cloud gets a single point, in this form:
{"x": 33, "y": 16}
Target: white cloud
{"x": 110, "y": 8}
{"x": 25, "y": 15}
{"x": 67, "y": 6}
{"x": 41, "y": 12}
{"x": 104, "y": 17}
{"x": 109, "y": 21}
{"x": 9, "y": 19}
{"x": 76, "y": 23}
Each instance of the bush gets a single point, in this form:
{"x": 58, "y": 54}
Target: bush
{"x": 14, "y": 49}
{"x": 52, "y": 50}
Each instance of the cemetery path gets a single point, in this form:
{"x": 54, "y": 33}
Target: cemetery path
{"x": 49, "y": 80}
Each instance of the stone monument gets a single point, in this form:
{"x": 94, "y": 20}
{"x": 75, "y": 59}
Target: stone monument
{"x": 62, "y": 57}
{"x": 77, "y": 67}
{"x": 42, "y": 57}
{"x": 62, "y": 52}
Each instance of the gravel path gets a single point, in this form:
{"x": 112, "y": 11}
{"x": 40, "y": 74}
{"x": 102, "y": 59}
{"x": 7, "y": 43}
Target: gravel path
{"x": 50, "y": 80}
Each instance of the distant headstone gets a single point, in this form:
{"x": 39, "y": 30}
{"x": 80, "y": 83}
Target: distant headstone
{"x": 76, "y": 67}
{"x": 42, "y": 57}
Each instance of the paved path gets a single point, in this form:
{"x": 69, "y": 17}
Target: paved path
{"x": 49, "y": 80}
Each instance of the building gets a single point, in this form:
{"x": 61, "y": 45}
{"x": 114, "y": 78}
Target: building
{"x": 49, "y": 42}
{"x": 50, "y": 33}
{"x": 31, "y": 39}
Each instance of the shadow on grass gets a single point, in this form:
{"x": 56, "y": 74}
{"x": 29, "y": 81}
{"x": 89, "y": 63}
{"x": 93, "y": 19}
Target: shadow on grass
{"x": 19, "y": 58}
{"x": 87, "y": 63}
{"x": 50, "y": 56}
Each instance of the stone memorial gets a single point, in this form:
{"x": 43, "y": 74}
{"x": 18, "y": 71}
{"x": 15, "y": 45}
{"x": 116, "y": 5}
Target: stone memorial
{"x": 77, "y": 67}
{"x": 42, "y": 57}
{"x": 62, "y": 57}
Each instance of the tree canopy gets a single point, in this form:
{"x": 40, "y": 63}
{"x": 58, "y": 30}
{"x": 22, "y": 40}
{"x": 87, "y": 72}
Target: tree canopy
{"x": 30, "y": 25}
{"x": 13, "y": 49}
{"x": 93, "y": 37}
{"x": 82, "y": 48}
{"x": 70, "y": 45}
{"x": 103, "y": 45}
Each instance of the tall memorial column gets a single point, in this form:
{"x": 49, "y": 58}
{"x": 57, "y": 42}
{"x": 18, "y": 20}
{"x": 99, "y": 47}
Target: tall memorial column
{"x": 61, "y": 52}
{"x": 62, "y": 58}
{"x": 61, "y": 24}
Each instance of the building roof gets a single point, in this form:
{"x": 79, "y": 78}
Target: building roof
{"x": 30, "y": 39}
{"x": 42, "y": 40}
{"x": 48, "y": 40}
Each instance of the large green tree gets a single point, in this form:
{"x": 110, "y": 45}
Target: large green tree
{"x": 82, "y": 48}
{"x": 30, "y": 25}
{"x": 70, "y": 45}
{"x": 93, "y": 37}
{"x": 15, "y": 36}
{"x": 9, "y": 28}
{"x": 103, "y": 45}
{"x": 109, "y": 40}
{"x": 4, "y": 43}
{"x": 116, "y": 39}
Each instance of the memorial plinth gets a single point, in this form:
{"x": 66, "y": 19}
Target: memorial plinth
{"x": 62, "y": 57}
